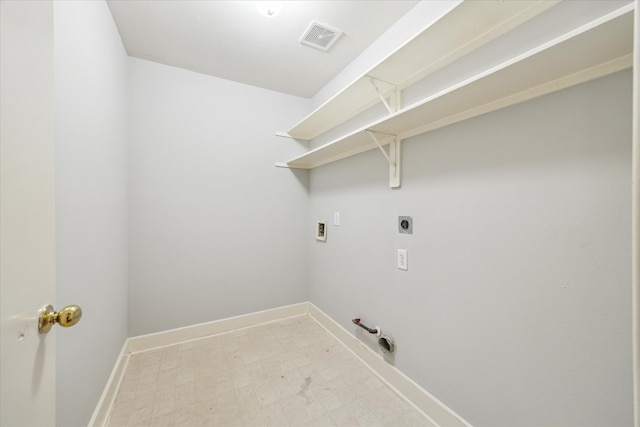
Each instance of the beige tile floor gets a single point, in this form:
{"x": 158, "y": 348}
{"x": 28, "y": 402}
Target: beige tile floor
{"x": 285, "y": 373}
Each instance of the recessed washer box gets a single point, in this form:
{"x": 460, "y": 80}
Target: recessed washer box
{"x": 405, "y": 224}
{"x": 321, "y": 231}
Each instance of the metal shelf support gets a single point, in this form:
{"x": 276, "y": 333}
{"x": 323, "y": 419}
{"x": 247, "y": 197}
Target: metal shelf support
{"x": 394, "y": 157}
{"x": 393, "y": 104}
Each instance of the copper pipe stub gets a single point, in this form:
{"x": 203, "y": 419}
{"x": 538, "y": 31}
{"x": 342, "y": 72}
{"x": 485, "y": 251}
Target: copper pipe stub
{"x": 375, "y": 330}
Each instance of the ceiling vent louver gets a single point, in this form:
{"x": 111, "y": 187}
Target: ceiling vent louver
{"x": 320, "y": 36}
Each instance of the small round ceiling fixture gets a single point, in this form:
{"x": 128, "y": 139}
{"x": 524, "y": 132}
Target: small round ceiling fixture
{"x": 270, "y": 9}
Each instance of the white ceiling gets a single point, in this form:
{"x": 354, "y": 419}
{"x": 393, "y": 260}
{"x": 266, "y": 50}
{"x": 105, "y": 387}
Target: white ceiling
{"x": 232, "y": 40}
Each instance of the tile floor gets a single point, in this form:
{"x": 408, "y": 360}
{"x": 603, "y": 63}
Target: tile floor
{"x": 285, "y": 373}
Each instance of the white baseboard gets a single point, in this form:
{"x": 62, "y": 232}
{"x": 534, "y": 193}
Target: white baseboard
{"x": 188, "y": 333}
{"x": 101, "y": 413}
{"x": 438, "y": 413}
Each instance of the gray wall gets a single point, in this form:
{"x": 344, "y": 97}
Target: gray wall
{"x": 515, "y": 309}
{"x": 216, "y": 229}
{"x": 91, "y": 197}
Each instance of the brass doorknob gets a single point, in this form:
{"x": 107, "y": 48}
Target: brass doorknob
{"x": 68, "y": 316}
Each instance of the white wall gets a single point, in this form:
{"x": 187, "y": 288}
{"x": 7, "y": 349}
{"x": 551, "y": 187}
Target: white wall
{"x": 216, "y": 229}
{"x": 515, "y": 309}
{"x": 91, "y": 201}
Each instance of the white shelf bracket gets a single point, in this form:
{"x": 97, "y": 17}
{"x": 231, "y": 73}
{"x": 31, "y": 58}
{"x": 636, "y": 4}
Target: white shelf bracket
{"x": 393, "y": 105}
{"x": 283, "y": 134}
{"x": 394, "y": 158}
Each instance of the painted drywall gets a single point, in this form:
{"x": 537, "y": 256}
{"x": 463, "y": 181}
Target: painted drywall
{"x": 216, "y": 230}
{"x": 91, "y": 73}
{"x": 515, "y": 309}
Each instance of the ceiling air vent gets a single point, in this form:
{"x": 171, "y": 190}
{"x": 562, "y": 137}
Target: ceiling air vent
{"x": 320, "y": 36}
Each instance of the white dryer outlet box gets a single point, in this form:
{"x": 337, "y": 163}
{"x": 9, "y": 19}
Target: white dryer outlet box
{"x": 403, "y": 262}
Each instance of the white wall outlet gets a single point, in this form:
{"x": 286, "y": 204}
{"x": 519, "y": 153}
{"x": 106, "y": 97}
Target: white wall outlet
{"x": 403, "y": 262}
{"x": 336, "y": 218}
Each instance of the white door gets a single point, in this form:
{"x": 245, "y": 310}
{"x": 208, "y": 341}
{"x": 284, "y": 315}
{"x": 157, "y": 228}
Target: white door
{"x": 27, "y": 237}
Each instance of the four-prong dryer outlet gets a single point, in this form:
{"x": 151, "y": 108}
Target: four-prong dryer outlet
{"x": 405, "y": 224}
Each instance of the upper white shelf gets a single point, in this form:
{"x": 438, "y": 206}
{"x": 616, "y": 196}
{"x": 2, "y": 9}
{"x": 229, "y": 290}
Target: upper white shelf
{"x": 601, "y": 47}
{"x": 467, "y": 26}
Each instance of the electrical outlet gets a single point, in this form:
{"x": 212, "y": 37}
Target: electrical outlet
{"x": 405, "y": 224}
{"x": 336, "y": 218}
{"x": 403, "y": 262}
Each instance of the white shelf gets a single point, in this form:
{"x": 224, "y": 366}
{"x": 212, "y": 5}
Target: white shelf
{"x": 465, "y": 27}
{"x": 601, "y": 47}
